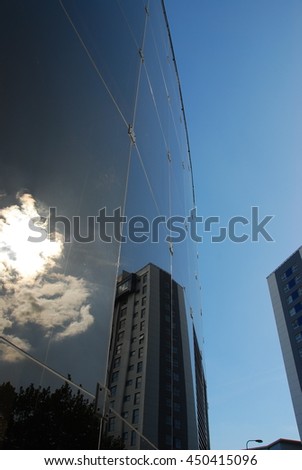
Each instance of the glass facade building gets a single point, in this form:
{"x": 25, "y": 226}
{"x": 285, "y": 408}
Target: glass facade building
{"x": 92, "y": 130}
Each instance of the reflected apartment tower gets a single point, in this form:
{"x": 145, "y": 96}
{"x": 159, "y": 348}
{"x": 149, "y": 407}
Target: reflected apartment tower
{"x": 201, "y": 398}
{"x": 285, "y": 285}
{"x": 150, "y": 369}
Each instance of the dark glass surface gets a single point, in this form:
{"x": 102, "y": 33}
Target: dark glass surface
{"x": 63, "y": 144}
{"x": 74, "y": 76}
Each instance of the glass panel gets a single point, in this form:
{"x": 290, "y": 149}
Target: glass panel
{"x": 92, "y": 128}
{"x": 64, "y": 146}
{"x": 147, "y": 246}
{"x": 151, "y": 146}
{"x": 105, "y": 32}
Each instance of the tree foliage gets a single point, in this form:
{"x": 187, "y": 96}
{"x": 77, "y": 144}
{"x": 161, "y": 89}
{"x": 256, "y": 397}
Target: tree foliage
{"x": 38, "y": 418}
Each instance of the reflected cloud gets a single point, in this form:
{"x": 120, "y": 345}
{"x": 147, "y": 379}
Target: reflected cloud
{"x": 9, "y": 354}
{"x": 32, "y": 293}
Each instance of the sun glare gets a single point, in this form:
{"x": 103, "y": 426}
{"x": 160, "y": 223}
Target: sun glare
{"x": 24, "y": 258}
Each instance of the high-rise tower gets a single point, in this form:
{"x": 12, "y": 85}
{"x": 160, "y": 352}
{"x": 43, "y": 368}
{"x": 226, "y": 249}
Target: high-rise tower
{"x": 150, "y": 367}
{"x": 285, "y": 285}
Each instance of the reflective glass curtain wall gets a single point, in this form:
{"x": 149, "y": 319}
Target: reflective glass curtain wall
{"x": 91, "y": 118}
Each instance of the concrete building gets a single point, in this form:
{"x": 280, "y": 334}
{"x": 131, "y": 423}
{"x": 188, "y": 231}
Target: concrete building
{"x": 281, "y": 444}
{"x": 285, "y": 285}
{"x": 150, "y": 373}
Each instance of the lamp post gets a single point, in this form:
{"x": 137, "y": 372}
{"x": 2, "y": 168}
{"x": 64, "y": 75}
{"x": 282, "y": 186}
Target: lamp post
{"x": 252, "y": 440}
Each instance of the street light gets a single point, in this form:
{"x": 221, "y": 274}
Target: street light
{"x": 252, "y": 440}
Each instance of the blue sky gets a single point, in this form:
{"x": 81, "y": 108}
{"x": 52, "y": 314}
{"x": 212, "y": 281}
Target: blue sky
{"x": 240, "y": 67}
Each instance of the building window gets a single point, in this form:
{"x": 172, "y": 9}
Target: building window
{"x": 139, "y": 367}
{"x": 144, "y": 289}
{"x": 122, "y": 323}
{"x": 125, "y": 414}
{"x": 127, "y": 397}
{"x": 141, "y": 338}
{"x": 145, "y": 277}
{"x": 290, "y": 284}
{"x": 114, "y": 376}
{"x": 123, "y": 312}
{"x": 143, "y": 313}
{"x": 132, "y": 353}
{"x": 137, "y": 398}
{"x": 111, "y": 424}
{"x": 135, "y": 315}
{"x": 138, "y": 382}
{"x": 289, "y": 272}
{"x": 296, "y": 309}
{"x": 140, "y": 352}
{"x": 297, "y": 323}
{"x": 291, "y": 298}
{"x": 133, "y": 438}
{"x": 144, "y": 301}
{"x": 134, "y": 327}
{"x": 131, "y": 367}
{"x": 299, "y": 338}
{"x": 142, "y": 327}
{"x": 118, "y": 349}
{"x": 113, "y": 391}
{"x": 125, "y": 436}
{"x": 298, "y": 278}
{"x": 135, "y": 416}
{"x": 129, "y": 382}
{"x": 116, "y": 362}
{"x": 120, "y": 336}
{"x": 112, "y": 403}
{"x": 133, "y": 340}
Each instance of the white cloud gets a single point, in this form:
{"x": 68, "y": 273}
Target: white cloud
{"x": 32, "y": 292}
{"x": 8, "y": 353}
